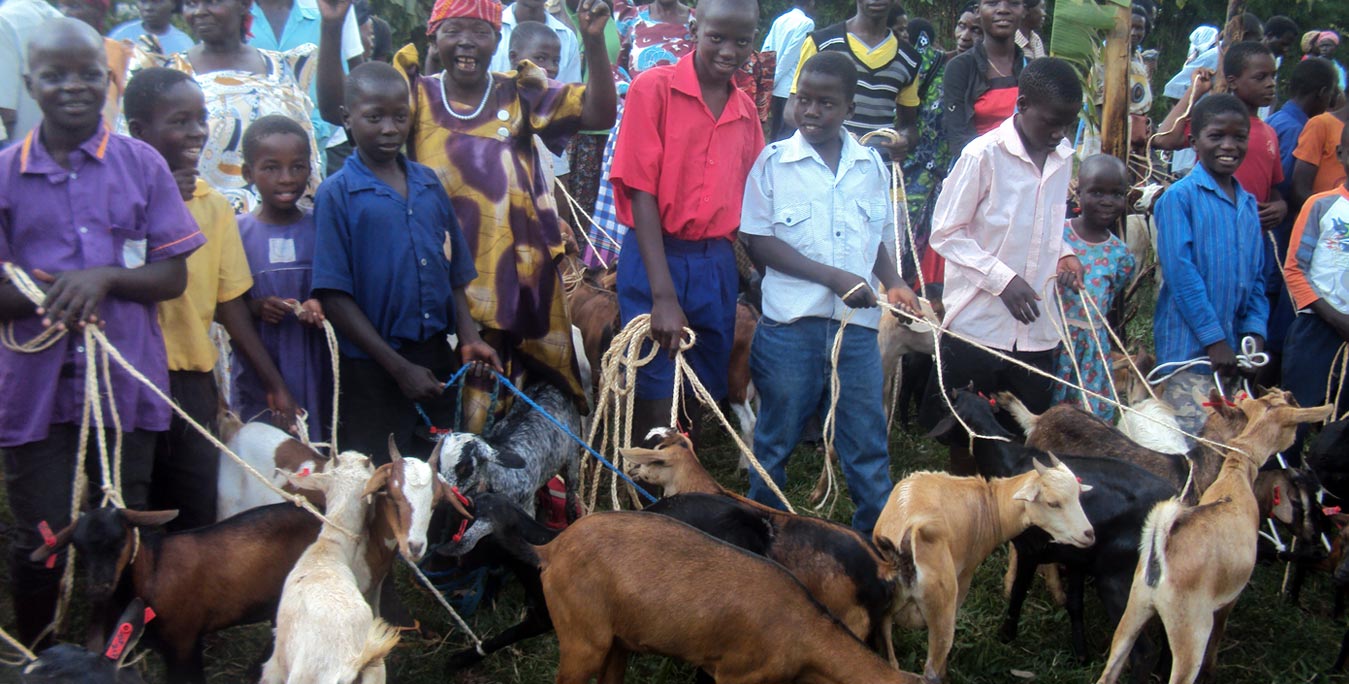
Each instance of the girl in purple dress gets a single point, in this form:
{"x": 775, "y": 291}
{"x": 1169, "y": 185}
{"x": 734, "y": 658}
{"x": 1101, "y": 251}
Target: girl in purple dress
{"x": 279, "y": 243}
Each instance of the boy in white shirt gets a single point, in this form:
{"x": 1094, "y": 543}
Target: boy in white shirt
{"x": 815, "y": 216}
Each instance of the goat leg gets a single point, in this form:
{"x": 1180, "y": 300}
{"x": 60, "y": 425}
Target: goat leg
{"x": 1338, "y": 667}
{"x": 1077, "y": 587}
{"x": 536, "y": 622}
{"x": 1016, "y": 595}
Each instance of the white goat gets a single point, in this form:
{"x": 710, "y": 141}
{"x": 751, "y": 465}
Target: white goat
{"x": 267, "y": 449}
{"x": 325, "y": 629}
{"x": 1161, "y": 433}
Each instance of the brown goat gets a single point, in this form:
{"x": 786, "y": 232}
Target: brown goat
{"x": 1196, "y": 560}
{"x": 622, "y": 582}
{"x": 839, "y": 566}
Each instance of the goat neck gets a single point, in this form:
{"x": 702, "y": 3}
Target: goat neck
{"x": 1009, "y": 515}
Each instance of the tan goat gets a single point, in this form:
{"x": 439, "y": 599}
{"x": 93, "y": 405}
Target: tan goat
{"x": 1195, "y": 560}
{"x": 937, "y": 528}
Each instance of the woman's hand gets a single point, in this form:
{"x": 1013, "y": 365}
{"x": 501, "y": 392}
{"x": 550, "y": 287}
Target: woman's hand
{"x": 334, "y": 10}
{"x": 591, "y": 17}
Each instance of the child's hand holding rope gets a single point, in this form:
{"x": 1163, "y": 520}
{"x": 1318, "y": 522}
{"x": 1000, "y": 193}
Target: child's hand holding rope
{"x": 1070, "y": 273}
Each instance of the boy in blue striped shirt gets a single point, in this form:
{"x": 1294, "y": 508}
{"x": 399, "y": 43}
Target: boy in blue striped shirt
{"x": 1212, "y": 258}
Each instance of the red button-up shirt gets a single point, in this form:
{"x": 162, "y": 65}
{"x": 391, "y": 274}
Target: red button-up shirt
{"x": 671, "y": 146}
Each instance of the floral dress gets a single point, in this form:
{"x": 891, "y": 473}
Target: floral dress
{"x": 1109, "y": 266}
{"x": 234, "y": 100}
{"x": 493, "y": 174}
{"x": 927, "y": 163}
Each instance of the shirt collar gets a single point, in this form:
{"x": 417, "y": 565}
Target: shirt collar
{"x": 508, "y": 18}
{"x": 1011, "y": 140}
{"x": 686, "y": 81}
{"x": 360, "y": 177}
{"x": 33, "y": 157}
{"x": 796, "y": 148}
{"x": 1205, "y": 180}
{"x": 1294, "y": 110}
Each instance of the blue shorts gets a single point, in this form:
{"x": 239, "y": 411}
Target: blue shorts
{"x": 706, "y": 283}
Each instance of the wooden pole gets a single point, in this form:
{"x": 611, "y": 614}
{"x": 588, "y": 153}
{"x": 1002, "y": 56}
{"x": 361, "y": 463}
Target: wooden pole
{"x": 1115, "y": 113}
{"x": 1233, "y": 32}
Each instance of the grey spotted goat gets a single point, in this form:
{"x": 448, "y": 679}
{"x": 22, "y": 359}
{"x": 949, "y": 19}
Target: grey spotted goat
{"x": 520, "y": 453}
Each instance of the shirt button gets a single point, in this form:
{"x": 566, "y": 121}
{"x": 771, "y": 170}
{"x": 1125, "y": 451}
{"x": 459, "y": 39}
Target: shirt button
{"x": 409, "y": 211}
{"x": 423, "y": 262}
{"x": 84, "y": 229}
{"x": 426, "y": 315}
{"x": 74, "y": 176}
{"x": 79, "y": 349}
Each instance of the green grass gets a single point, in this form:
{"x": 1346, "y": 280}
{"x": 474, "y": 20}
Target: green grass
{"x": 1268, "y": 641}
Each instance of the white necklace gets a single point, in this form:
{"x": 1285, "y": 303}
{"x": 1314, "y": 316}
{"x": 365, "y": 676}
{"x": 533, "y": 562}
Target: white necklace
{"x": 474, "y": 114}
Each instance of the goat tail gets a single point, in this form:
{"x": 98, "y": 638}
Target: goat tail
{"x": 1024, "y": 417}
{"x": 228, "y": 424}
{"x": 1152, "y": 543}
{"x": 379, "y": 641}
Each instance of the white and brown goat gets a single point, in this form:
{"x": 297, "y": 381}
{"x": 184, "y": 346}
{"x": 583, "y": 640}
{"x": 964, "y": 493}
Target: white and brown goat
{"x": 1195, "y": 560}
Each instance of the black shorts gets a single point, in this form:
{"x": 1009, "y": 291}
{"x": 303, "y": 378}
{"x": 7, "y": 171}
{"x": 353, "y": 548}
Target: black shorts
{"x": 964, "y": 365}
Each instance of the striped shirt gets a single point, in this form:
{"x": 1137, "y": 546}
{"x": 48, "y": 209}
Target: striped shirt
{"x": 1212, "y": 257}
{"x": 1316, "y": 268}
{"x": 887, "y": 75}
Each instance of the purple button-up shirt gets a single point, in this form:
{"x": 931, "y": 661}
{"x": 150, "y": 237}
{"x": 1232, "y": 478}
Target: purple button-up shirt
{"x": 118, "y": 205}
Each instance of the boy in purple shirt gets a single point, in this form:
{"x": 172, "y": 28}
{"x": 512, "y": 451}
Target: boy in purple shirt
{"x": 97, "y": 220}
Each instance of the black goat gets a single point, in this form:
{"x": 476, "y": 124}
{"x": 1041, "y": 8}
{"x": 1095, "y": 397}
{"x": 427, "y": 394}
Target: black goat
{"x": 64, "y": 663}
{"x": 1328, "y": 457}
{"x": 1122, "y": 495}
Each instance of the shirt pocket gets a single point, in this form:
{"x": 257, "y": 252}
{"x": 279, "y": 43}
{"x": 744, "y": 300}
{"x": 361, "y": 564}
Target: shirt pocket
{"x": 131, "y": 246}
{"x": 869, "y": 230}
{"x": 794, "y": 225}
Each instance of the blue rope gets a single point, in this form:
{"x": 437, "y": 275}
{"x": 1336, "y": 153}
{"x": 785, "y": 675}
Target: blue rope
{"x": 458, "y": 376}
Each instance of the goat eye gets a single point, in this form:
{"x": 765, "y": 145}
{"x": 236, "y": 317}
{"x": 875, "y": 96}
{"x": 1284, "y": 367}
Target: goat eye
{"x": 1055, "y": 504}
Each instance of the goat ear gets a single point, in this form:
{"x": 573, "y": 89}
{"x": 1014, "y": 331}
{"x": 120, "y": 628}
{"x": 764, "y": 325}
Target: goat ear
{"x": 886, "y": 547}
{"x": 148, "y": 518}
{"x": 129, "y": 628}
{"x": 507, "y": 459}
{"x": 1085, "y": 488}
{"x": 394, "y": 453}
{"x": 942, "y": 428}
{"x": 1316, "y": 414}
{"x": 317, "y": 482}
{"x": 62, "y": 540}
{"x": 1029, "y": 491}
{"x": 639, "y": 455}
{"x": 378, "y": 480}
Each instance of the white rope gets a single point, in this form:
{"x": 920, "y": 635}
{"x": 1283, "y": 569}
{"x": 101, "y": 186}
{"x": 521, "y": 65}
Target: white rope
{"x": 576, "y": 208}
{"x": 440, "y": 598}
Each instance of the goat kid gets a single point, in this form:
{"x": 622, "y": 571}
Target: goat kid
{"x": 267, "y": 449}
{"x": 937, "y": 528}
{"x": 64, "y": 663}
{"x": 325, "y": 629}
{"x": 520, "y": 453}
{"x": 1195, "y": 561}
{"x": 738, "y": 617}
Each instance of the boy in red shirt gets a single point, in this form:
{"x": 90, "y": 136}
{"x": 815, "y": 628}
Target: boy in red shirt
{"x": 684, "y": 150}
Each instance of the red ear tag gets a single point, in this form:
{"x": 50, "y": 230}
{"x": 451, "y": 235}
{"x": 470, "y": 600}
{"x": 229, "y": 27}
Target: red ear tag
{"x": 1277, "y": 495}
{"x": 149, "y": 614}
{"x": 1330, "y": 510}
{"x": 119, "y": 641}
{"x": 1079, "y": 480}
{"x": 304, "y": 472}
{"x": 463, "y": 527}
{"x": 462, "y": 499}
{"x": 48, "y": 540}
{"x": 438, "y": 431}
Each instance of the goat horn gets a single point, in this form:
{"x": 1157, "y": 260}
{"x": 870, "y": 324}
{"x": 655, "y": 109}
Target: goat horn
{"x": 1039, "y": 467}
{"x": 1054, "y": 461}
{"x": 394, "y": 453}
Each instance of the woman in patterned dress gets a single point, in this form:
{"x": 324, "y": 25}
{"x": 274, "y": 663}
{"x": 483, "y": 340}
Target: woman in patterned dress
{"x": 476, "y": 129}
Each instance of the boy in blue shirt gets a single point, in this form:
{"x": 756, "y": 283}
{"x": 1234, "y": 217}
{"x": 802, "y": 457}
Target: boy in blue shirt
{"x": 815, "y": 216}
{"x": 390, "y": 267}
{"x": 1212, "y": 257}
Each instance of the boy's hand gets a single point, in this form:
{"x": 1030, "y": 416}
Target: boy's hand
{"x": 334, "y": 10}
{"x": 853, "y": 290}
{"x": 667, "y": 324}
{"x": 1221, "y": 358}
{"x": 1272, "y": 213}
{"x": 418, "y": 383}
{"x": 481, "y": 356}
{"x": 905, "y": 299}
{"x": 1070, "y": 273}
{"x": 1203, "y": 83}
{"x": 74, "y": 296}
{"x": 273, "y": 310}
{"x": 186, "y": 178}
{"x": 591, "y": 18}
{"x": 897, "y": 149}
{"x": 284, "y": 409}
{"x": 1020, "y": 300}
{"x": 311, "y": 313}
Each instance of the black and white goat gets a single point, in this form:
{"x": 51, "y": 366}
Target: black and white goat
{"x": 520, "y": 454}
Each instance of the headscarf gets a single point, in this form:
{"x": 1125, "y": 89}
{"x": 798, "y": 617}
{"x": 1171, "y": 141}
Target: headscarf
{"x": 1328, "y": 35}
{"x": 1309, "y": 40}
{"x": 921, "y": 33}
{"x": 1201, "y": 39}
{"x": 486, "y": 10}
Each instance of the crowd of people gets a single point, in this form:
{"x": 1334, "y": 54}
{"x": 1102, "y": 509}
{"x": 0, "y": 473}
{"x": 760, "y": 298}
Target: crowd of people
{"x": 281, "y": 163}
